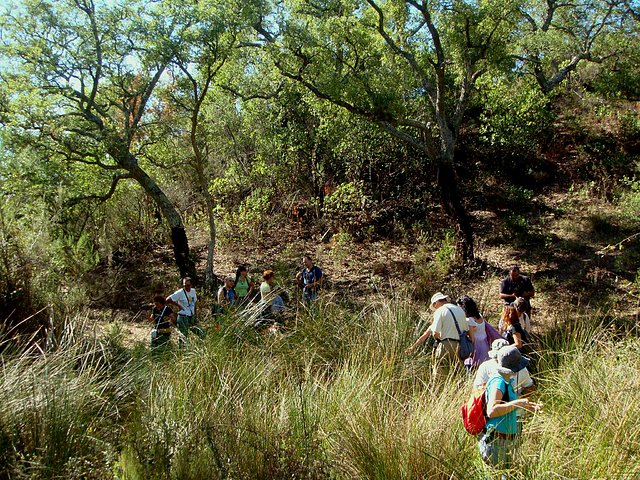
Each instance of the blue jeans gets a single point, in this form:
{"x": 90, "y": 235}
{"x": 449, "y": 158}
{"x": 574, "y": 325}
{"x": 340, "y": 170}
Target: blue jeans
{"x": 308, "y": 296}
{"x": 495, "y": 451}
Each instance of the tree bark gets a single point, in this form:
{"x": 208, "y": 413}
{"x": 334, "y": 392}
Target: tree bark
{"x": 453, "y": 207}
{"x": 185, "y": 264}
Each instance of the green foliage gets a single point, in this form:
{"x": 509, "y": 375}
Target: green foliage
{"x": 253, "y": 216}
{"x": 348, "y": 208}
{"x": 431, "y": 268}
{"x": 515, "y": 115}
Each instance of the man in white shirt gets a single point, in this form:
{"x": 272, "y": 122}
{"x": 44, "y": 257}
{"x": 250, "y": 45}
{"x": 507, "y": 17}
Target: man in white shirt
{"x": 444, "y": 330}
{"x": 185, "y": 299}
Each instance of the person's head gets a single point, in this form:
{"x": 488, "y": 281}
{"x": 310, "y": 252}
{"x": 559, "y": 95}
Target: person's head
{"x": 510, "y": 315}
{"x": 520, "y": 305}
{"x": 307, "y": 261}
{"x": 510, "y": 360}
{"x": 187, "y": 283}
{"x": 497, "y": 344}
{"x": 469, "y": 306}
{"x": 159, "y": 301}
{"x": 228, "y": 281}
{"x": 268, "y": 276}
{"x": 437, "y": 300}
{"x": 514, "y": 272}
{"x": 241, "y": 272}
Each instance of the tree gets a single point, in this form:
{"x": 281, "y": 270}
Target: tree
{"x": 557, "y": 36}
{"x": 82, "y": 78}
{"x": 410, "y": 67}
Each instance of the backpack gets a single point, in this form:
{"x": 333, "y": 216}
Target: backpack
{"x": 474, "y": 411}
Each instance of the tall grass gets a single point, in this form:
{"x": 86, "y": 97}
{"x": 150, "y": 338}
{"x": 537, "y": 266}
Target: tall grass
{"x": 332, "y": 396}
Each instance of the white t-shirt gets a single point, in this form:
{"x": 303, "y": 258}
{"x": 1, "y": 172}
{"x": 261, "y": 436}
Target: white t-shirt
{"x": 265, "y": 293}
{"x": 488, "y": 369}
{"x": 443, "y": 321}
{"x": 481, "y": 328}
{"x": 186, "y": 301}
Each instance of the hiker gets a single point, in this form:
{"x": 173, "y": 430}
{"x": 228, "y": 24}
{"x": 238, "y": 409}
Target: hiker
{"x": 523, "y": 316}
{"x": 522, "y": 382}
{"x": 273, "y": 302}
{"x": 443, "y": 329}
{"x": 185, "y": 299}
{"x": 512, "y": 329}
{"x": 244, "y": 287}
{"x": 162, "y": 317}
{"x": 515, "y": 286}
{"x": 226, "y": 293}
{"x": 498, "y": 440}
{"x": 481, "y": 333}
{"x": 310, "y": 278}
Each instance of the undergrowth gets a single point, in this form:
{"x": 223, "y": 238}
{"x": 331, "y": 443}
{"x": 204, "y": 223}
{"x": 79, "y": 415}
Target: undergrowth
{"x": 330, "y": 396}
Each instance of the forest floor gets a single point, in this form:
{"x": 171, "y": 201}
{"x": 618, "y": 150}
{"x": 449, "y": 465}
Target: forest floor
{"x": 571, "y": 247}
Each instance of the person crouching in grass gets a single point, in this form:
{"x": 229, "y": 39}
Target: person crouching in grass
{"x": 162, "y": 317}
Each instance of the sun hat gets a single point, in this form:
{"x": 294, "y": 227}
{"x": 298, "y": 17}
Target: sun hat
{"x": 497, "y": 344}
{"x": 437, "y": 297}
{"x": 510, "y": 360}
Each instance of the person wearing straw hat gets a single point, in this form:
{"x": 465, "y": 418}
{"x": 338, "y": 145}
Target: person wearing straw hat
{"x": 497, "y": 443}
{"x": 443, "y": 329}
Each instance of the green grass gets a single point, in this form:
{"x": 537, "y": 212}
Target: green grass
{"x": 333, "y": 396}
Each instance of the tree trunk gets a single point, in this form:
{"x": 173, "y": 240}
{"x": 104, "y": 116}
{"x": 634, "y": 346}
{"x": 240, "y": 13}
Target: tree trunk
{"x": 185, "y": 265}
{"x": 453, "y": 207}
{"x": 210, "y": 277}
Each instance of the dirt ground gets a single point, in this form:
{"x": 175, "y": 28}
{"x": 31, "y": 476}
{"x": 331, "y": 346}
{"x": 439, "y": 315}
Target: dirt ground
{"x": 568, "y": 259}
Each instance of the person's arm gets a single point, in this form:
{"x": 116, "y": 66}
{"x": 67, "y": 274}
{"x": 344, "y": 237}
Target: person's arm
{"x": 472, "y": 333}
{"x": 222, "y": 300}
{"x": 427, "y": 333}
{"x": 517, "y": 340}
{"x": 497, "y": 408}
{"x": 505, "y": 294}
{"x": 170, "y": 301}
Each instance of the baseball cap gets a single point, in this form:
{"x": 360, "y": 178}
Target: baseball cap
{"x": 497, "y": 344}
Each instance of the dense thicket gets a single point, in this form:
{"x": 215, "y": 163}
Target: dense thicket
{"x": 369, "y": 118}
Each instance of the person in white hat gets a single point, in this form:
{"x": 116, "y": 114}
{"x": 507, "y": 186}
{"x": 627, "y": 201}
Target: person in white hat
{"x": 444, "y": 330}
{"x": 521, "y": 381}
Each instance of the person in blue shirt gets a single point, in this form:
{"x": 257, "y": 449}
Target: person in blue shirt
{"x": 310, "y": 278}
{"x": 497, "y": 442}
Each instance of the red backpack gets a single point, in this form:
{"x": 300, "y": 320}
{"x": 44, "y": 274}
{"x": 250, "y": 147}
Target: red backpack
{"x": 474, "y": 411}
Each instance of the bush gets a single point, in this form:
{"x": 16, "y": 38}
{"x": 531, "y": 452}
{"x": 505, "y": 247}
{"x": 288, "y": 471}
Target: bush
{"x": 348, "y": 209}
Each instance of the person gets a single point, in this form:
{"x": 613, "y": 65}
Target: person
{"x": 443, "y": 329}
{"x": 512, "y": 329}
{"x": 311, "y": 279}
{"x": 226, "y": 294}
{"x": 185, "y": 299}
{"x": 522, "y": 382}
{"x": 244, "y": 287}
{"x": 497, "y": 443}
{"x": 514, "y": 286}
{"x": 268, "y": 294}
{"x": 481, "y": 333}
{"x": 523, "y": 316}
{"x": 162, "y": 317}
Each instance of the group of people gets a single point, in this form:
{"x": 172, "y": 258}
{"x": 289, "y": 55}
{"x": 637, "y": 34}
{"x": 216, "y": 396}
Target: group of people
{"x": 236, "y": 292}
{"x": 498, "y": 358}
